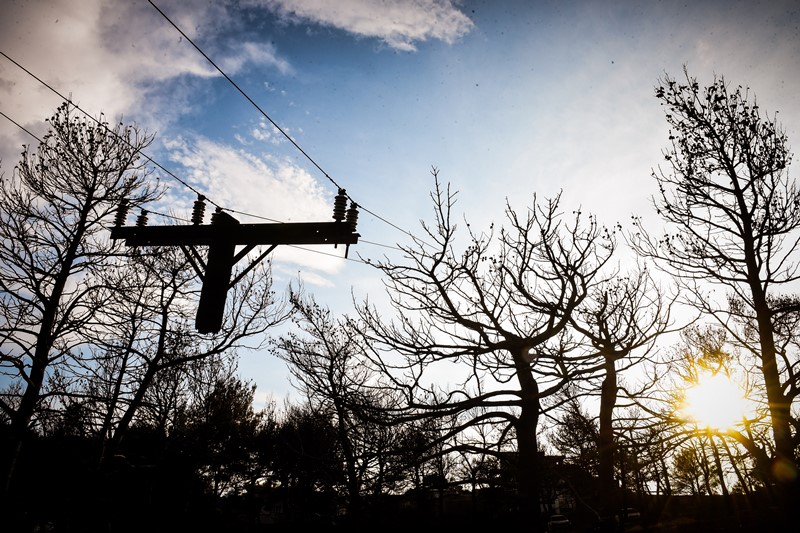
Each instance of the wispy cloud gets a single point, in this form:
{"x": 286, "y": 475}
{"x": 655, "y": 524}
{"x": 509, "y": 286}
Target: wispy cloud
{"x": 399, "y": 23}
{"x": 114, "y": 57}
{"x": 260, "y": 185}
{"x": 256, "y": 53}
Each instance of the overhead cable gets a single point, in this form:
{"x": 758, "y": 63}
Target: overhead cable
{"x": 79, "y": 108}
{"x": 266, "y": 116}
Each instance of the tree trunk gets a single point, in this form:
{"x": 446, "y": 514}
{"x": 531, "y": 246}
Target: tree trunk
{"x": 141, "y": 390}
{"x": 353, "y": 485}
{"x": 718, "y": 464}
{"x": 605, "y": 445}
{"x": 41, "y": 356}
{"x": 528, "y": 469}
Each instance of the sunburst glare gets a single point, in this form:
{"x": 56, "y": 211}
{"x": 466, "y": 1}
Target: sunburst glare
{"x": 714, "y": 402}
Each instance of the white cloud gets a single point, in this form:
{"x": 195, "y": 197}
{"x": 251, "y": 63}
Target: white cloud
{"x": 399, "y": 23}
{"x": 267, "y": 132}
{"x": 270, "y": 188}
{"x": 112, "y": 57}
{"x": 259, "y": 54}
{"x": 117, "y": 58}
{"x": 260, "y": 185}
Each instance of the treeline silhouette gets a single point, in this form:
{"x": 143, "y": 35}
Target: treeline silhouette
{"x": 532, "y": 368}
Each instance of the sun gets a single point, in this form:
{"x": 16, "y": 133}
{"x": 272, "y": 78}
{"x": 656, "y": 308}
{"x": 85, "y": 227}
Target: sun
{"x": 714, "y": 402}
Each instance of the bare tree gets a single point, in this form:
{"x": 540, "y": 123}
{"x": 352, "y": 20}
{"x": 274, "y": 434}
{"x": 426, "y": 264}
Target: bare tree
{"x": 495, "y": 318}
{"x": 734, "y": 221}
{"x": 621, "y": 320}
{"x": 328, "y": 369}
{"x": 144, "y": 331}
{"x": 687, "y": 473}
{"x": 707, "y": 350}
{"x": 53, "y": 215}
{"x": 327, "y": 362}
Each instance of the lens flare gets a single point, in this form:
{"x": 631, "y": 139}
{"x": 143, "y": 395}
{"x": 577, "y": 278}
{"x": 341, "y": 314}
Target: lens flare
{"x": 714, "y": 402}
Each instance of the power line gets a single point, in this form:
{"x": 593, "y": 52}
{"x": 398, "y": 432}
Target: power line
{"x": 79, "y": 108}
{"x": 150, "y": 159}
{"x": 169, "y": 172}
{"x": 17, "y": 124}
{"x": 274, "y": 124}
{"x": 263, "y": 113}
{"x": 164, "y": 215}
{"x": 23, "y": 128}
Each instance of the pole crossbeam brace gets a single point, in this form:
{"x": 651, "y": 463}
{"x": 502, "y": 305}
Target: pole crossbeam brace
{"x": 222, "y": 237}
{"x": 241, "y": 235}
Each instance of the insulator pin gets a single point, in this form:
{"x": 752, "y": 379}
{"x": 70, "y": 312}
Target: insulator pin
{"x": 199, "y": 210}
{"x": 216, "y": 216}
{"x": 122, "y": 212}
{"x": 339, "y": 205}
{"x": 352, "y": 216}
{"x": 141, "y": 220}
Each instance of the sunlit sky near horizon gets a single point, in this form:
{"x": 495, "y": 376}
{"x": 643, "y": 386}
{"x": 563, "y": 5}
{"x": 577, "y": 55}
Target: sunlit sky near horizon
{"x": 505, "y": 98}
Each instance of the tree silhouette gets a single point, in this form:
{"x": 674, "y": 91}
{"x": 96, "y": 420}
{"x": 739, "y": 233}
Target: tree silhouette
{"x": 576, "y": 435}
{"x": 218, "y": 432}
{"x": 495, "y": 314}
{"x": 733, "y": 216}
{"x": 621, "y": 320}
{"x": 327, "y": 367}
{"x": 327, "y": 362}
{"x": 307, "y": 463}
{"x": 53, "y": 215}
{"x": 144, "y": 331}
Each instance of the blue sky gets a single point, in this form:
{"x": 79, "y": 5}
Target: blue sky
{"x": 505, "y": 98}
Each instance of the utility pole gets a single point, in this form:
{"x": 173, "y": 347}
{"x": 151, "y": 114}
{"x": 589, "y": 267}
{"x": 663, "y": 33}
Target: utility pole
{"x": 222, "y": 236}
